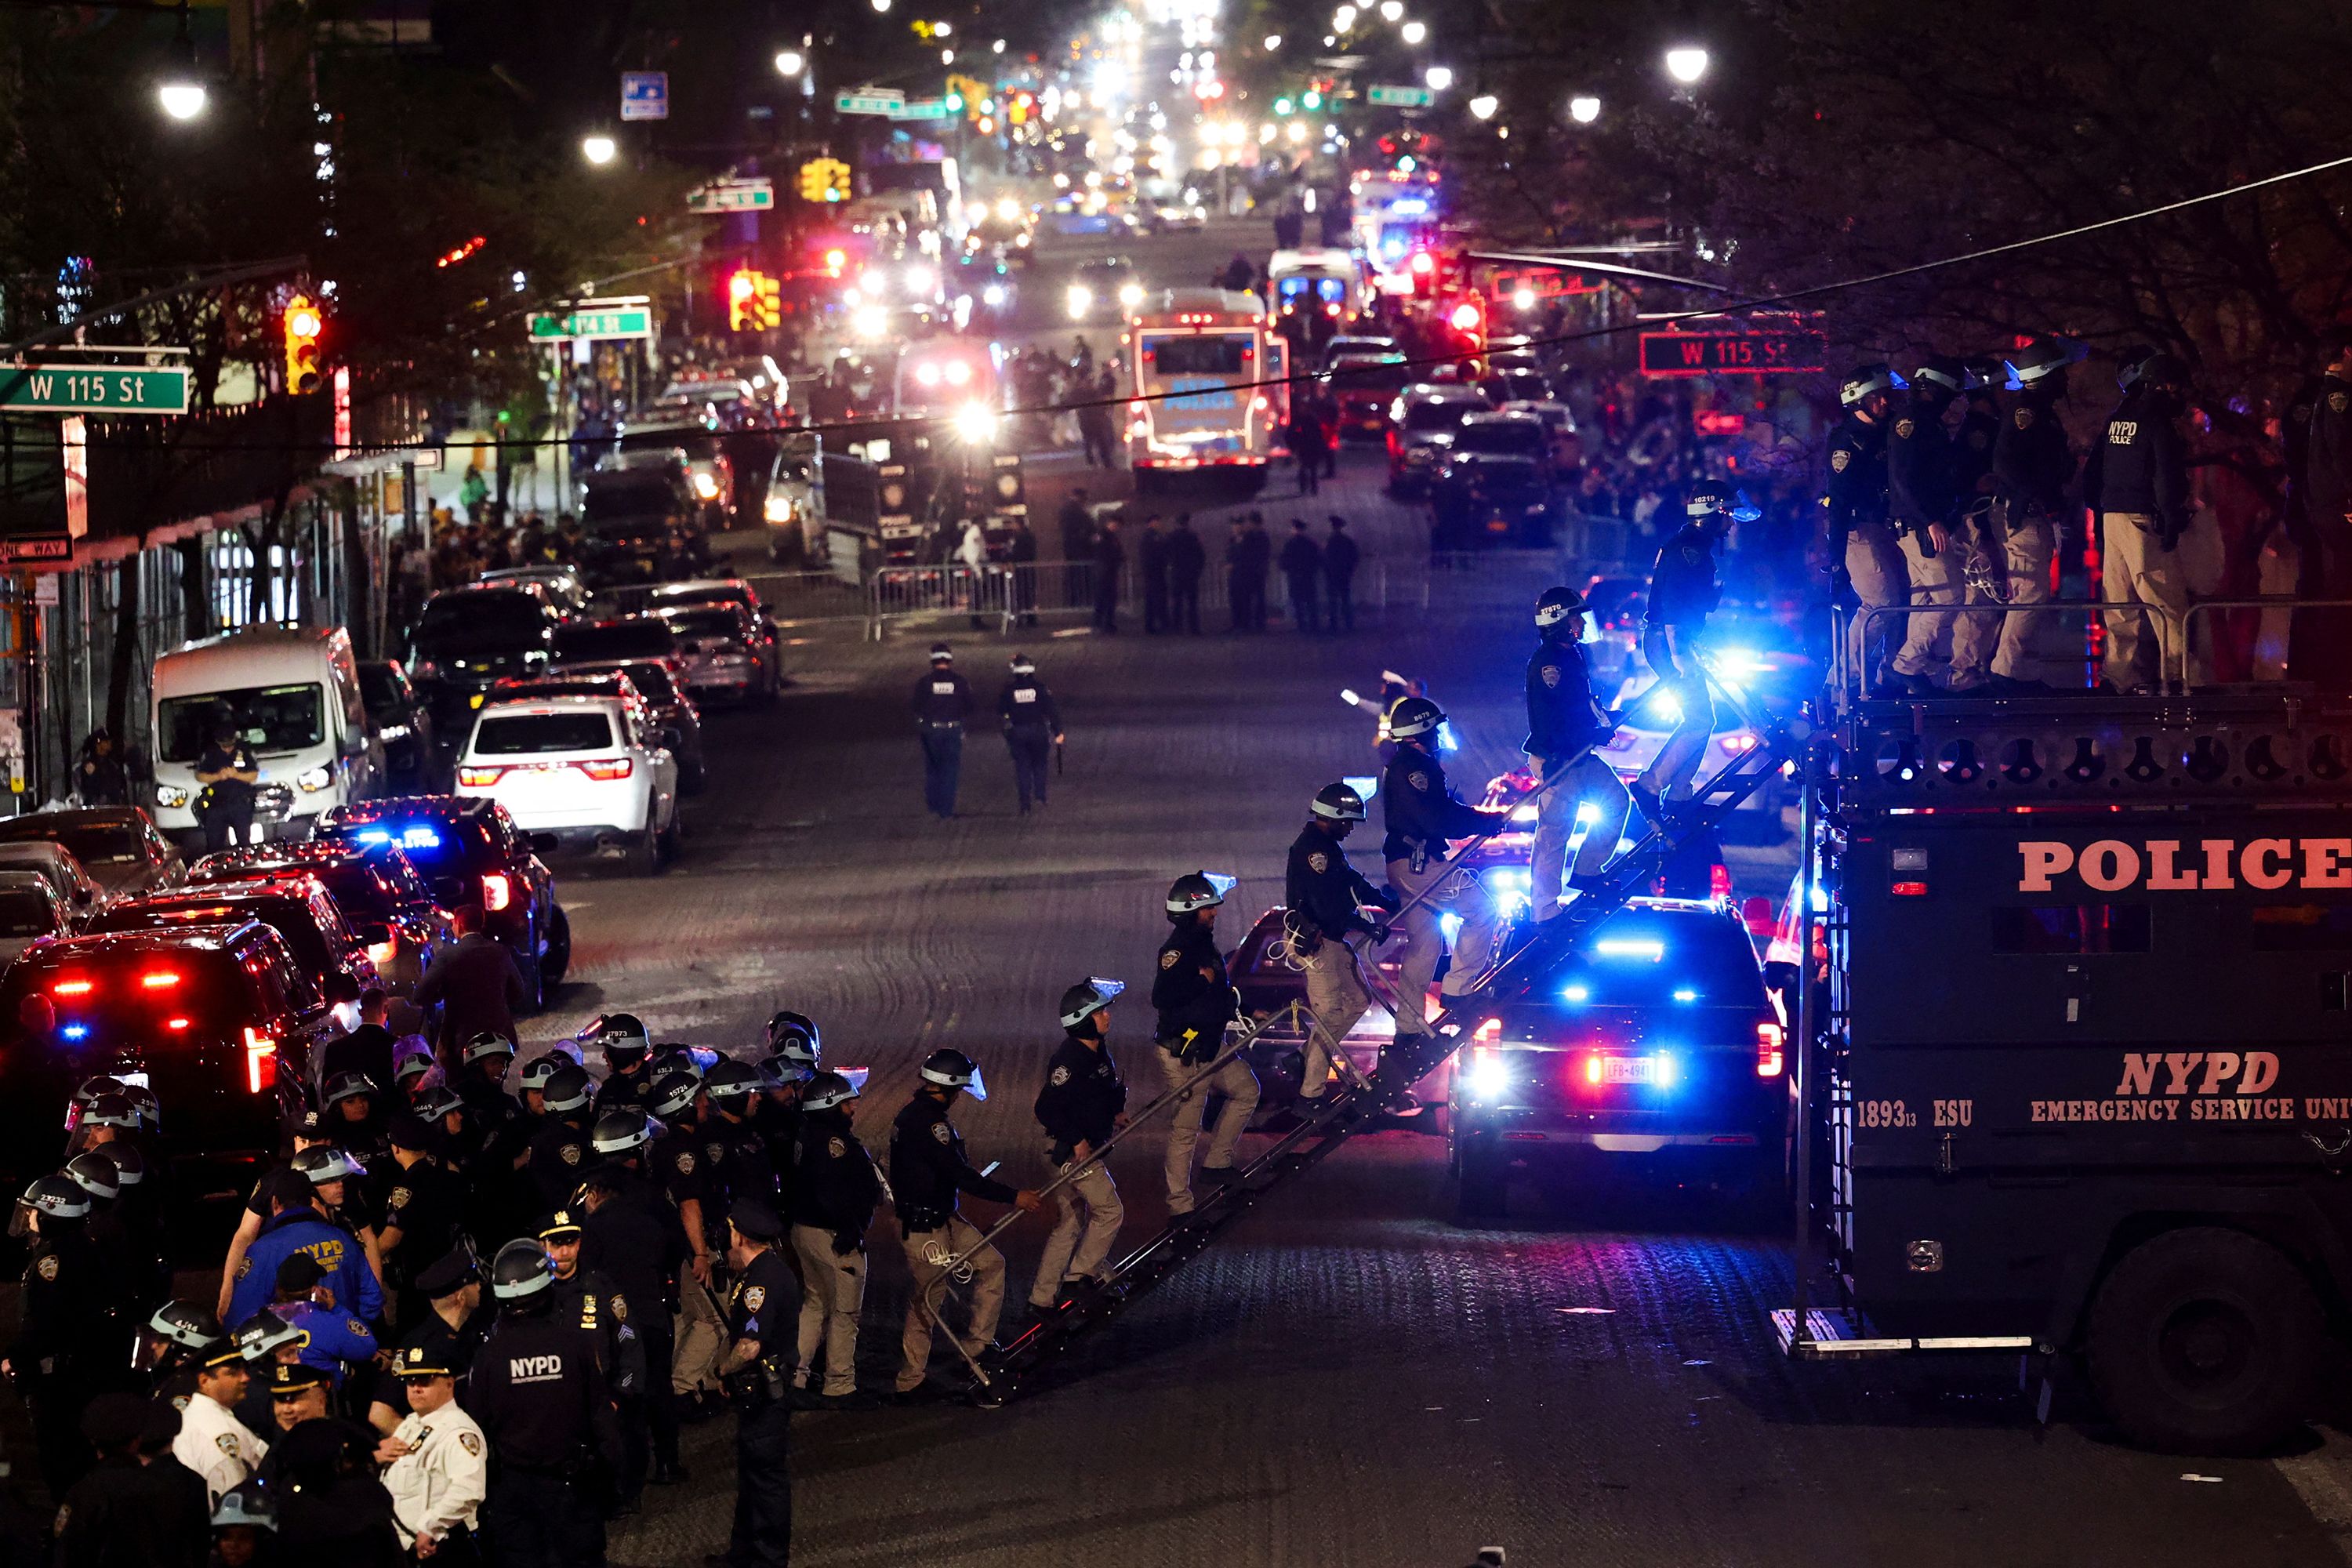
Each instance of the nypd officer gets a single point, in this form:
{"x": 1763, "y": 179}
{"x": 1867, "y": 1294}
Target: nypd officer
{"x": 560, "y": 1151}
{"x": 834, "y": 1190}
{"x": 1326, "y": 898}
{"x": 58, "y": 1358}
{"x": 1566, "y": 725}
{"x": 2031, "y": 466}
{"x": 589, "y": 1297}
{"x": 760, "y": 1313}
{"x": 1862, "y": 552}
{"x": 440, "y": 1468}
{"x": 1921, "y": 470}
{"x": 2138, "y": 484}
{"x": 627, "y": 1049}
{"x": 1683, "y": 594}
{"x": 1195, "y": 1001}
{"x": 1423, "y": 814}
{"x": 1084, "y": 1102}
{"x": 929, "y": 1171}
{"x": 539, "y": 1391}
{"x": 1033, "y": 727}
{"x": 943, "y": 701}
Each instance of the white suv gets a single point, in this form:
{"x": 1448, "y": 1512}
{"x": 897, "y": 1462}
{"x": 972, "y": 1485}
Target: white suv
{"x": 589, "y": 770}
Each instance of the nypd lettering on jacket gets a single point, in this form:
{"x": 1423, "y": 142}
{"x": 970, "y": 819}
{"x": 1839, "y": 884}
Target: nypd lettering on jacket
{"x": 535, "y": 1368}
{"x": 2176, "y": 864}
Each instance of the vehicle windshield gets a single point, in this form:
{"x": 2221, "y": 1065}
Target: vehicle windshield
{"x": 1515, "y": 438}
{"x": 24, "y": 912}
{"x": 1228, "y": 353}
{"x": 505, "y": 619}
{"x": 714, "y": 622}
{"x": 1521, "y": 386}
{"x": 289, "y": 914}
{"x": 1439, "y": 414}
{"x": 272, "y": 720}
{"x": 628, "y": 498}
{"x": 528, "y": 734}
{"x": 92, "y": 843}
{"x": 640, "y": 636}
{"x": 1642, "y": 959}
{"x": 1367, "y": 375}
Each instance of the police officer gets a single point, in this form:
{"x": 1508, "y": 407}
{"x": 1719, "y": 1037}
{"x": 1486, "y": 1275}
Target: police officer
{"x": 456, "y": 1322}
{"x": 2138, "y": 484}
{"x": 124, "y": 1509}
{"x": 423, "y": 1204}
{"x": 539, "y": 1391}
{"x": 244, "y": 1526}
{"x": 1923, "y": 508}
{"x": 928, "y": 1170}
{"x": 627, "y": 1049}
{"x": 760, "y": 1309}
{"x": 1565, "y": 727}
{"x": 739, "y": 1154}
{"x": 1033, "y": 727}
{"x": 1683, "y": 594}
{"x": 943, "y": 701}
{"x": 2319, "y": 458}
{"x": 560, "y": 1154}
{"x": 59, "y": 1357}
{"x": 833, "y": 1190}
{"x": 440, "y": 1470}
{"x": 1864, "y": 555}
{"x": 1325, "y": 898}
{"x": 177, "y": 1339}
{"x": 126, "y": 1280}
{"x": 1195, "y": 1001}
{"x": 629, "y": 1234}
{"x": 222, "y": 1450}
{"x": 2031, "y": 466}
{"x": 351, "y": 1120}
{"x": 590, "y": 1298}
{"x": 1423, "y": 814}
{"x": 1082, "y": 1102}
{"x": 674, "y": 1161}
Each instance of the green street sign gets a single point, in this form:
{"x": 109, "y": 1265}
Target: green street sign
{"x": 883, "y": 101}
{"x": 1402, "y": 97}
{"x": 925, "y": 108}
{"x": 733, "y": 196}
{"x": 618, "y": 322}
{"x": 93, "y": 389}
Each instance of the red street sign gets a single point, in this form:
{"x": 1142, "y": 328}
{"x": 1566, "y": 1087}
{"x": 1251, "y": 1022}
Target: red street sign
{"x": 1710, "y": 423}
{"x": 1732, "y": 353}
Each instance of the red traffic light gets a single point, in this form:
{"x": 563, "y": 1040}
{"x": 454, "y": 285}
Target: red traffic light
{"x": 1465, "y": 317}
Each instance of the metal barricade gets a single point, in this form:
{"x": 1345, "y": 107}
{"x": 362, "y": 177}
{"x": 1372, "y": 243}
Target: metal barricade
{"x": 1846, "y": 680}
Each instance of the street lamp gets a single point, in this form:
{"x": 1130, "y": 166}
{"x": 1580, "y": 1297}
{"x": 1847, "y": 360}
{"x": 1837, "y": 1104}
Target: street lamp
{"x": 1273, "y": 42}
{"x": 1439, "y": 78}
{"x": 598, "y": 149}
{"x": 881, "y": 7}
{"x": 789, "y": 62}
{"x": 1413, "y": 32}
{"x": 1687, "y": 63}
{"x": 183, "y": 97}
{"x": 1584, "y": 108}
{"x": 1391, "y": 9}
{"x": 1483, "y": 105}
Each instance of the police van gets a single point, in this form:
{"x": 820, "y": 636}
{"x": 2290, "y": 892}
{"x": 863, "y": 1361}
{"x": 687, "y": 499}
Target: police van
{"x": 2080, "y": 1063}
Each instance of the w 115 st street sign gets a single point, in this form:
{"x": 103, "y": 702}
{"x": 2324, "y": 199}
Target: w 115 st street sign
{"x": 1731, "y": 353}
{"x": 1400, "y": 96}
{"x": 93, "y": 389}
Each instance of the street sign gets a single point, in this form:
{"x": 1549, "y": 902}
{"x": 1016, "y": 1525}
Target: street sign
{"x": 752, "y": 195}
{"x": 1732, "y": 353}
{"x": 645, "y": 95}
{"x": 883, "y": 101}
{"x": 1400, "y": 96}
{"x": 93, "y": 389}
{"x": 924, "y": 108}
{"x": 595, "y": 319}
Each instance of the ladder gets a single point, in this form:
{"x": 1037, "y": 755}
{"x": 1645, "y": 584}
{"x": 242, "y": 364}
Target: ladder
{"x": 1526, "y": 955}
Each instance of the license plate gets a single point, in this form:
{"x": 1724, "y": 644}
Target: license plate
{"x": 1629, "y": 1069}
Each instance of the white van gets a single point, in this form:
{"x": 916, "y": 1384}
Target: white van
{"x": 292, "y": 694}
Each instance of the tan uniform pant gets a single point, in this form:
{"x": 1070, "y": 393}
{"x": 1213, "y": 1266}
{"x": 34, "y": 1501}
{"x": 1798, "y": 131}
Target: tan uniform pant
{"x": 1084, "y": 1235}
{"x": 2135, "y": 568}
{"x": 1338, "y": 999}
{"x": 931, "y": 1286}
{"x": 1239, "y": 1085}
{"x": 1935, "y": 580}
{"x": 2010, "y": 645}
{"x": 701, "y": 1337}
{"x": 833, "y": 1289}
{"x": 1456, "y": 891}
{"x": 1875, "y": 567}
{"x": 1591, "y": 781}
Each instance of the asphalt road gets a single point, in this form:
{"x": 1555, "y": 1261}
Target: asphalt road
{"x": 1346, "y": 1378}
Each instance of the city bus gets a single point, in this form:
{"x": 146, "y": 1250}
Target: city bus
{"x": 1204, "y": 363}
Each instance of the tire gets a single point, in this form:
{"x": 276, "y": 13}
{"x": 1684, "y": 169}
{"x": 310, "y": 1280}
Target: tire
{"x": 534, "y": 984}
{"x": 556, "y": 962}
{"x": 2205, "y": 1340}
{"x": 1481, "y": 1186}
{"x": 644, "y": 857}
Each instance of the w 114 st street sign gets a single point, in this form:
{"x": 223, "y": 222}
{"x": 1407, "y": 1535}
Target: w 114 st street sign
{"x": 93, "y": 389}
{"x": 596, "y": 319}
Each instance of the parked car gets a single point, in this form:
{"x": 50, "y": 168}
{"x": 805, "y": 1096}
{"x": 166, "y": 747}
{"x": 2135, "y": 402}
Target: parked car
{"x": 29, "y": 910}
{"x": 590, "y": 772}
{"x": 643, "y": 520}
{"x": 467, "y": 638}
{"x": 1421, "y": 425}
{"x": 624, "y": 637}
{"x": 471, "y": 853}
{"x": 77, "y": 890}
{"x": 728, "y": 650}
{"x": 295, "y": 904}
{"x": 563, "y": 584}
{"x": 657, "y": 679}
{"x": 1495, "y": 486}
{"x": 119, "y": 845}
{"x": 404, "y": 723}
{"x": 389, "y": 907}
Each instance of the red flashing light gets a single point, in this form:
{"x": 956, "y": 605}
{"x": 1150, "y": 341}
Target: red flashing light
{"x": 462, "y": 252}
{"x": 1423, "y": 262}
{"x": 158, "y": 979}
{"x": 260, "y": 1061}
{"x": 1769, "y": 1037}
{"x": 1718, "y": 881}
{"x": 498, "y": 890}
{"x": 1465, "y": 317}
{"x": 176, "y": 1024}
{"x": 72, "y": 988}
{"x": 1910, "y": 890}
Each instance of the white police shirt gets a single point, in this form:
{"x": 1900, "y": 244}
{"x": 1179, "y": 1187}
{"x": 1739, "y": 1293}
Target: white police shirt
{"x": 437, "y": 1486}
{"x": 220, "y": 1449}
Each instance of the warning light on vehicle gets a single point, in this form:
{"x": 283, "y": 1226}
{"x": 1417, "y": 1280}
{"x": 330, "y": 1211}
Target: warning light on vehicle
{"x": 1465, "y": 317}
{"x": 1769, "y": 1040}
{"x": 158, "y": 979}
{"x": 1630, "y": 947}
{"x": 72, "y": 988}
{"x": 260, "y": 1061}
{"x": 498, "y": 890}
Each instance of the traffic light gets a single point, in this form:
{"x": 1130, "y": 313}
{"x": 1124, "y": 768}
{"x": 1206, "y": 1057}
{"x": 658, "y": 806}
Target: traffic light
{"x": 754, "y": 302}
{"x": 825, "y": 180}
{"x": 302, "y": 324}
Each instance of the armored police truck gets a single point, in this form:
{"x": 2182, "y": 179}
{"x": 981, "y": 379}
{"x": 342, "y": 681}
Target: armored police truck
{"x": 2082, "y": 1050}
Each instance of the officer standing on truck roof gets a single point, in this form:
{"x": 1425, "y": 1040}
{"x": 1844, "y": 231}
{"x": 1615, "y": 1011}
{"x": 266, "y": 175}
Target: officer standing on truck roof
{"x": 1921, "y": 468}
{"x": 1082, "y": 1102}
{"x": 2138, "y": 484}
{"x": 1324, "y": 897}
{"x": 1682, "y": 593}
{"x": 1565, "y": 717}
{"x": 1423, "y": 814}
{"x": 1864, "y": 558}
{"x": 2031, "y": 466}
{"x": 943, "y": 701}
{"x": 1195, "y": 1001}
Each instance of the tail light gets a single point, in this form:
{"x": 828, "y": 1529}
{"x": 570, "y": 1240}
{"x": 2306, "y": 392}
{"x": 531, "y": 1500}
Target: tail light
{"x": 498, "y": 890}
{"x": 72, "y": 988}
{"x": 1488, "y": 1032}
{"x": 260, "y": 1061}
{"x": 606, "y": 768}
{"x": 474, "y": 777}
{"x": 380, "y": 953}
{"x": 1718, "y": 881}
{"x": 158, "y": 979}
{"x": 1769, "y": 1056}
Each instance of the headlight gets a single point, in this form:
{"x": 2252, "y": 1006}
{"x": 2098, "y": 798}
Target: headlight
{"x": 1130, "y": 295}
{"x": 1081, "y": 299}
{"x": 316, "y": 779}
{"x": 1488, "y": 1075}
{"x": 779, "y": 509}
{"x": 706, "y": 487}
{"x": 920, "y": 281}
{"x": 992, "y": 296}
{"x": 170, "y": 795}
{"x": 975, "y": 422}
{"x": 869, "y": 321}
{"x": 1007, "y": 209}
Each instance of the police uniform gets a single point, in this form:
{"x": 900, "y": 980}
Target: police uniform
{"x": 927, "y": 1171}
{"x": 1081, "y": 1101}
{"x": 834, "y": 1189}
{"x": 1564, "y": 716}
{"x": 59, "y": 1356}
{"x": 777, "y": 1119}
{"x": 633, "y": 1239}
{"x": 222, "y": 1450}
{"x": 560, "y": 1156}
{"x": 424, "y": 1202}
{"x": 626, "y": 1088}
{"x": 1195, "y": 1002}
{"x": 761, "y": 1309}
{"x": 2031, "y": 464}
{"x": 1860, "y": 539}
{"x": 1919, "y": 496}
{"x": 339, "y": 1341}
{"x": 124, "y": 1511}
{"x": 2138, "y": 484}
{"x": 537, "y": 1391}
{"x": 943, "y": 701}
{"x": 439, "y": 1485}
{"x": 1323, "y": 894}
{"x": 1683, "y": 594}
{"x": 1422, "y": 813}
{"x": 1030, "y": 722}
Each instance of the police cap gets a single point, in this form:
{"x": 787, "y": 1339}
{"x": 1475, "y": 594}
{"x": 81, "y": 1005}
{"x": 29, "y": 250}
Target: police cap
{"x": 1414, "y": 717}
{"x": 673, "y": 1093}
{"x": 1553, "y": 606}
{"x": 794, "y": 1035}
{"x": 114, "y": 1420}
{"x": 144, "y": 1102}
{"x": 94, "y": 1174}
{"x": 828, "y": 1090}
{"x": 90, "y": 1089}
{"x": 1865, "y": 381}
{"x": 289, "y": 1379}
{"x": 130, "y": 1165}
{"x": 323, "y": 1162}
{"x": 755, "y": 1219}
{"x": 485, "y": 1045}
{"x": 57, "y": 1197}
{"x": 1198, "y": 891}
{"x": 411, "y": 1131}
{"x": 185, "y": 1324}
{"x": 943, "y": 654}
{"x": 564, "y": 1225}
{"x": 624, "y": 1036}
{"x": 438, "y": 1103}
{"x": 1940, "y": 371}
{"x": 349, "y": 1086}
{"x": 1088, "y": 997}
{"x": 732, "y": 1079}
{"x": 110, "y": 1111}
{"x": 951, "y": 1068}
{"x": 415, "y": 1064}
{"x": 540, "y": 1067}
{"x": 264, "y": 1332}
{"x": 450, "y": 1274}
{"x": 299, "y": 1273}
{"x": 423, "y": 1360}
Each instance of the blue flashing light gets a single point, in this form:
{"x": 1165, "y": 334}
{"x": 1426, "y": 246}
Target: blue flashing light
{"x": 419, "y": 837}
{"x": 1412, "y": 207}
{"x": 1665, "y": 1070}
{"x": 1451, "y": 924}
{"x": 1685, "y": 994}
{"x": 1631, "y": 947}
{"x": 1446, "y": 739}
{"x": 76, "y": 1031}
{"x": 373, "y": 836}
{"x": 1578, "y": 993}
{"x": 1366, "y": 785}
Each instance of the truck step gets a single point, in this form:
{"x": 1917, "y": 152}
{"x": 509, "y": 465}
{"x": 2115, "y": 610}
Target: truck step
{"x": 1835, "y": 1333}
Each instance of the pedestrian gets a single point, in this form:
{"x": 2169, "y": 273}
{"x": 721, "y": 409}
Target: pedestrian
{"x": 1110, "y": 559}
{"x": 1187, "y": 559}
{"x": 2136, "y": 483}
{"x": 835, "y": 1190}
{"x": 1326, "y": 898}
{"x": 1302, "y": 573}
{"x": 971, "y": 559}
{"x": 474, "y": 981}
{"x": 124, "y": 1510}
{"x": 943, "y": 701}
{"x": 1566, "y": 726}
{"x": 1308, "y": 438}
{"x": 765, "y": 1301}
{"x": 1922, "y": 504}
{"x": 1341, "y": 557}
{"x": 1682, "y": 593}
{"x": 222, "y": 1450}
{"x": 539, "y": 1392}
{"x": 929, "y": 1171}
{"x": 1077, "y": 525}
{"x": 1865, "y": 563}
{"x": 2031, "y": 466}
{"x": 1032, "y": 726}
{"x": 1151, "y": 557}
{"x": 230, "y": 778}
{"x": 1423, "y": 814}
{"x": 100, "y": 778}
{"x": 439, "y": 1468}
{"x": 1195, "y": 998}
{"x": 1248, "y": 557}
{"x": 1082, "y": 1102}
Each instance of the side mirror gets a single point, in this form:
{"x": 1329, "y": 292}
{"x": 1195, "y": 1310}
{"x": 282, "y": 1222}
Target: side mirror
{"x": 545, "y": 842}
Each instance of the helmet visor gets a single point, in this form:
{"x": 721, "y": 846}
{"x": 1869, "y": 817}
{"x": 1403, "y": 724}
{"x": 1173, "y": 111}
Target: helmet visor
{"x": 978, "y": 1087}
{"x": 1220, "y": 883}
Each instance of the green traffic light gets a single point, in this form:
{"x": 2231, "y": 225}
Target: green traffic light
{"x": 1313, "y": 100}
{"x": 1282, "y": 106}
